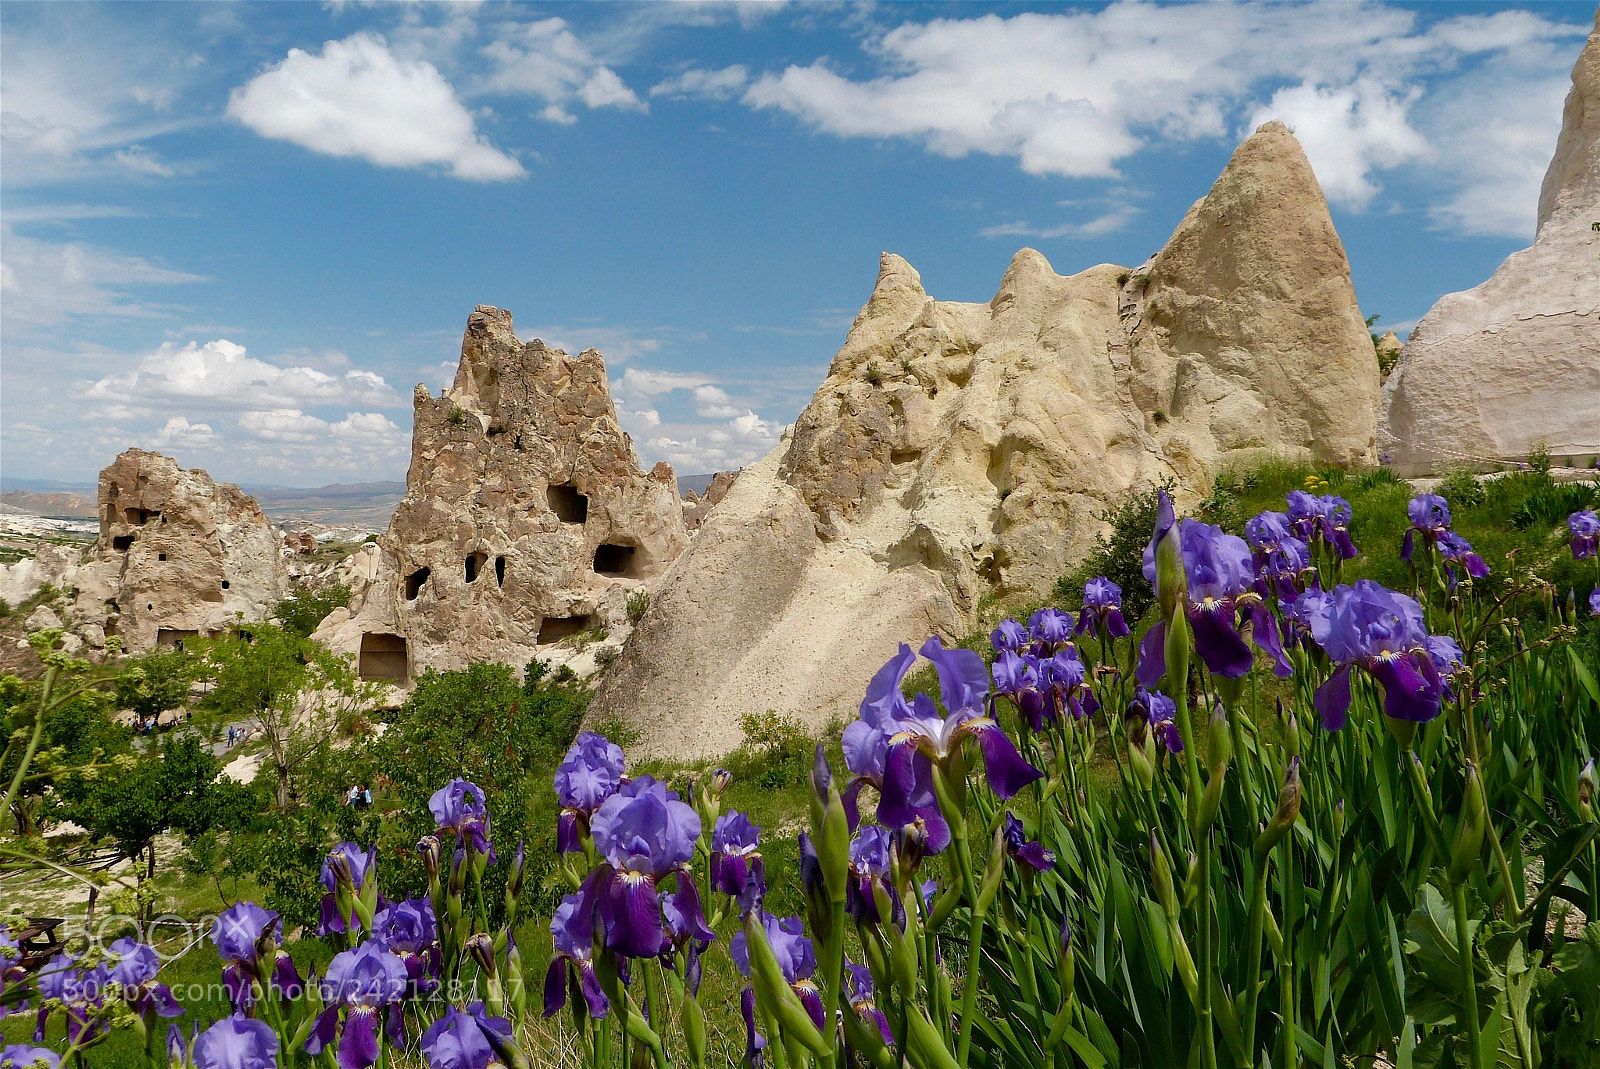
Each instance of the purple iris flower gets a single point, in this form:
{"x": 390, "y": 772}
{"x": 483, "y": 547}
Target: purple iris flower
{"x": 572, "y": 934}
{"x": 869, "y": 868}
{"x": 643, "y": 834}
{"x": 1160, "y": 714}
{"x": 1285, "y": 570}
{"x": 1029, "y": 852}
{"x": 1381, "y": 632}
{"x": 361, "y": 982}
{"x": 919, "y": 736}
{"x": 459, "y": 806}
{"x": 460, "y": 1039}
{"x": 1594, "y": 602}
{"x": 411, "y": 932}
{"x": 589, "y": 774}
{"x": 755, "y": 1044}
{"x": 1020, "y": 678}
{"x": 345, "y": 859}
{"x": 866, "y": 747}
{"x": 1325, "y": 518}
{"x": 1010, "y": 635}
{"x": 1430, "y": 517}
{"x": 1065, "y": 677}
{"x": 237, "y": 1042}
{"x": 1102, "y": 610}
{"x": 1585, "y": 528}
{"x": 1266, "y": 531}
{"x": 1457, "y": 550}
{"x": 1050, "y": 628}
{"x": 23, "y": 1056}
{"x": 82, "y": 992}
{"x": 735, "y": 850}
{"x": 796, "y": 958}
{"x": 1217, "y": 567}
{"x": 136, "y": 972}
{"x": 858, "y": 991}
{"x": 244, "y": 934}
{"x": 1447, "y": 658}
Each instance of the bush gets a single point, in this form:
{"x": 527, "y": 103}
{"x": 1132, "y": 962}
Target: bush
{"x": 1463, "y": 490}
{"x": 301, "y": 613}
{"x": 638, "y": 604}
{"x": 156, "y": 682}
{"x": 776, "y": 753}
{"x": 1548, "y": 506}
{"x": 1119, "y": 556}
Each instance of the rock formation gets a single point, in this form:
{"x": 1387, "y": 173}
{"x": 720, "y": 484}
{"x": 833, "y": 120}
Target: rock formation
{"x": 526, "y": 520}
{"x": 1512, "y": 366}
{"x": 178, "y": 556}
{"x": 696, "y": 507}
{"x": 1389, "y": 347}
{"x": 957, "y": 451}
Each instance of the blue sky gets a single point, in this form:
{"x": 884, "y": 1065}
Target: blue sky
{"x": 241, "y": 234}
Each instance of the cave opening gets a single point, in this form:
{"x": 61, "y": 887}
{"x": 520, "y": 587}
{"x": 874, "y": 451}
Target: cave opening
{"x": 567, "y": 503}
{"x": 474, "y": 565}
{"x": 414, "y": 582}
{"x": 616, "y": 561}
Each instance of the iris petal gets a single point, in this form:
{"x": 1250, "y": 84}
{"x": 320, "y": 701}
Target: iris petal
{"x": 1332, "y": 699}
{"x": 1218, "y": 644}
{"x": 1007, "y": 771}
{"x": 1152, "y": 656}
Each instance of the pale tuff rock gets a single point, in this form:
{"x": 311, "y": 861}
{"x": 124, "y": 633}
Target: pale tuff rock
{"x": 958, "y": 451}
{"x": 1494, "y": 373}
{"x": 178, "y": 555}
{"x": 526, "y": 518}
{"x": 1248, "y": 335}
{"x": 1388, "y": 348}
{"x": 697, "y": 506}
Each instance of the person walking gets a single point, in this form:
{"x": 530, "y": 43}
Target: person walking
{"x": 230, "y": 736}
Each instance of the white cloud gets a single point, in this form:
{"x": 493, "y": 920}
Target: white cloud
{"x": 141, "y": 160}
{"x": 219, "y": 375}
{"x": 357, "y": 99}
{"x": 1108, "y": 223}
{"x": 179, "y": 433}
{"x": 45, "y": 282}
{"x": 1075, "y": 93}
{"x": 706, "y": 430}
{"x": 1349, "y": 133}
{"x": 547, "y": 60}
{"x": 723, "y": 84}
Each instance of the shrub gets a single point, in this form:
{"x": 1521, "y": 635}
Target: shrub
{"x": 638, "y": 604}
{"x": 1119, "y": 554}
{"x": 1463, "y": 490}
{"x": 777, "y": 752}
{"x": 874, "y": 373}
{"x": 301, "y": 613}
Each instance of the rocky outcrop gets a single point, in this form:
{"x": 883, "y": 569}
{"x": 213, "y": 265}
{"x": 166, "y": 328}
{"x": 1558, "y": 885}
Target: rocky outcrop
{"x": 958, "y": 451}
{"x": 696, "y": 507}
{"x": 526, "y": 520}
{"x": 1495, "y": 373}
{"x": 1245, "y": 328}
{"x": 178, "y": 556}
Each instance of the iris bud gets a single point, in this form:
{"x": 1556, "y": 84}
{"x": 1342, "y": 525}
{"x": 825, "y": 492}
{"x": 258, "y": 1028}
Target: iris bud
{"x": 1291, "y": 736}
{"x": 1161, "y": 873}
{"x": 1288, "y": 811}
{"x": 1171, "y": 585}
{"x": 1066, "y": 961}
{"x": 720, "y": 780}
{"x": 993, "y": 872}
{"x": 910, "y": 847}
{"x": 177, "y": 1049}
{"x": 428, "y": 847}
{"x": 1469, "y": 840}
{"x": 1586, "y": 787}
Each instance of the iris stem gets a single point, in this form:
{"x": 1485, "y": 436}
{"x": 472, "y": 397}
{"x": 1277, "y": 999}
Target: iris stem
{"x": 1252, "y": 957}
{"x": 1469, "y": 980}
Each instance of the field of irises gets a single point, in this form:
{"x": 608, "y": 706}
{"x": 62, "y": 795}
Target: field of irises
{"x": 1302, "y": 819}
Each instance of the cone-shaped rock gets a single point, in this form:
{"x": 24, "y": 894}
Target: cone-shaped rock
{"x": 1249, "y": 338}
{"x": 1512, "y": 366}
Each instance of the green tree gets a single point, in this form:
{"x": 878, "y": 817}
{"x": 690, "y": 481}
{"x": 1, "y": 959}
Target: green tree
{"x": 79, "y": 732}
{"x": 482, "y": 725}
{"x": 156, "y": 682}
{"x": 171, "y": 787}
{"x": 292, "y": 692}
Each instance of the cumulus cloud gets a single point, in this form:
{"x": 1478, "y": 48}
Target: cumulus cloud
{"x": 358, "y": 99}
{"x": 179, "y": 433}
{"x": 690, "y": 421}
{"x": 1075, "y": 93}
{"x": 724, "y": 84}
{"x": 220, "y": 375}
{"x": 547, "y": 60}
{"x": 1349, "y": 133}
{"x": 45, "y": 282}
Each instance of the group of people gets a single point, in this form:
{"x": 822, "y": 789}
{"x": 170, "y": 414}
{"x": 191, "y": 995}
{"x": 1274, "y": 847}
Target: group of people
{"x": 360, "y": 795}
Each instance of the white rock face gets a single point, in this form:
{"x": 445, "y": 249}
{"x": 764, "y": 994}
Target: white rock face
{"x": 1512, "y": 366}
{"x": 526, "y": 518}
{"x": 957, "y": 451}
